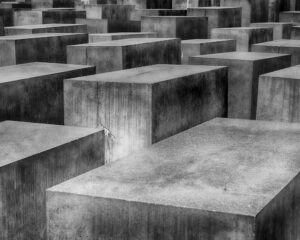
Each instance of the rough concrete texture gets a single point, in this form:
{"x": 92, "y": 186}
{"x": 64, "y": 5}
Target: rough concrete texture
{"x": 244, "y": 71}
{"x": 46, "y": 28}
{"x": 109, "y": 11}
{"x": 280, "y": 30}
{"x": 295, "y": 33}
{"x": 100, "y": 37}
{"x": 35, "y": 157}
{"x": 190, "y": 48}
{"x": 218, "y": 17}
{"x": 14, "y": 5}
{"x": 43, "y": 47}
{"x": 52, "y": 3}
{"x": 8, "y": 16}
{"x": 33, "y": 92}
{"x": 138, "y": 13}
{"x": 292, "y": 16}
{"x": 144, "y": 105}
{"x": 281, "y": 46}
{"x": 126, "y": 53}
{"x": 208, "y": 182}
{"x": 148, "y": 4}
{"x": 283, "y": 104}
{"x": 176, "y": 26}
{"x": 1, "y": 26}
{"x": 244, "y": 36}
{"x": 204, "y": 3}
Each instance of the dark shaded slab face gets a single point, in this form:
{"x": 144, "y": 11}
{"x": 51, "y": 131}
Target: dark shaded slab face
{"x": 34, "y": 157}
{"x": 52, "y": 3}
{"x": 138, "y": 13}
{"x": 1, "y": 26}
{"x": 291, "y": 16}
{"x": 100, "y": 37}
{"x": 223, "y": 165}
{"x": 280, "y": 30}
{"x": 109, "y": 11}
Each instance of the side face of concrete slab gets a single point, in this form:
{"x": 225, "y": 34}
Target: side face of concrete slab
{"x": 1, "y": 26}
{"x": 109, "y": 11}
{"x": 280, "y": 30}
{"x": 295, "y": 33}
{"x": 27, "y": 171}
{"x": 118, "y": 36}
{"x": 52, "y": 3}
{"x": 292, "y": 16}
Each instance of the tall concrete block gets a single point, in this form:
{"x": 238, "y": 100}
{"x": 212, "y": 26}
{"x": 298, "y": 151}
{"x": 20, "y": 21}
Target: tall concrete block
{"x": 43, "y": 47}
{"x": 46, "y": 28}
{"x": 281, "y": 46}
{"x": 244, "y": 36}
{"x": 138, "y": 13}
{"x": 291, "y": 16}
{"x": 244, "y": 71}
{"x": 280, "y": 30}
{"x": 213, "y": 181}
{"x": 144, "y": 105}
{"x": 176, "y": 26}
{"x": 283, "y": 103}
{"x": 35, "y": 157}
{"x": 33, "y": 92}
{"x": 109, "y": 11}
{"x": 190, "y": 48}
{"x": 218, "y": 17}
{"x": 126, "y": 53}
{"x": 118, "y": 36}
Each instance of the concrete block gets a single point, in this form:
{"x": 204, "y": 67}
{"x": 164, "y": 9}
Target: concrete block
{"x": 46, "y": 28}
{"x": 209, "y": 182}
{"x": 144, "y": 105}
{"x": 244, "y": 36}
{"x": 244, "y": 71}
{"x": 218, "y": 17}
{"x": 33, "y": 92}
{"x": 126, "y": 53}
{"x": 149, "y": 4}
{"x": 109, "y": 11}
{"x": 138, "y": 13}
{"x": 280, "y": 30}
{"x": 1, "y": 26}
{"x": 278, "y": 95}
{"x": 35, "y": 157}
{"x": 195, "y": 47}
{"x": 118, "y": 36}
{"x": 204, "y": 3}
{"x": 176, "y": 26}
{"x": 15, "y": 5}
{"x": 295, "y": 33}
{"x": 281, "y": 46}
{"x": 291, "y": 16}
{"x": 42, "y": 47}
{"x": 8, "y": 16}
{"x": 52, "y": 3}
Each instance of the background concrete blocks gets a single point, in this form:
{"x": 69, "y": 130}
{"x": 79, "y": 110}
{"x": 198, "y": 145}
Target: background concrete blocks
{"x": 295, "y": 33}
{"x": 109, "y": 11}
{"x": 118, "y": 36}
{"x": 280, "y": 30}
{"x": 138, "y": 13}
{"x": 52, "y": 3}
{"x": 292, "y": 16}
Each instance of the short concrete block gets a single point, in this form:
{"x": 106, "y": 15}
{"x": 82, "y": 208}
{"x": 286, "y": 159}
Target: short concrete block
{"x": 244, "y": 36}
{"x": 42, "y": 47}
{"x": 126, "y": 53}
{"x": 33, "y": 92}
{"x": 195, "y": 47}
{"x": 118, "y": 36}
{"x": 280, "y": 30}
{"x": 292, "y": 16}
{"x": 136, "y": 106}
{"x": 209, "y": 182}
{"x": 109, "y": 11}
{"x": 283, "y": 104}
{"x": 244, "y": 71}
{"x": 35, "y": 157}
{"x": 281, "y": 46}
{"x": 176, "y": 26}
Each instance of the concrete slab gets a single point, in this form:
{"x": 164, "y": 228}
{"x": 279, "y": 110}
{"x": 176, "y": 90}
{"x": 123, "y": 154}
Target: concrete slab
{"x": 280, "y": 30}
{"x": 144, "y": 105}
{"x": 295, "y": 33}
{"x": 283, "y": 104}
{"x": 1, "y": 26}
{"x": 138, "y": 13}
{"x": 46, "y": 28}
{"x": 176, "y": 26}
{"x": 15, "y": 5}
{"x": 195, "y": 47}
{"x": 204, "y": 3}
{"x": 244, "y": 36}
{"x": 218, "y": 17}
{"x": 118, "y": 36}
{"x": 42, "y": 47}
{"x": 33, "y": 92}
{"x": 281, "y": 46}
{"x": 291, "y": 16}
{"x": 126, "y": 53}
{"x": 149, "y": 4}
{"x": 52, "y": 3}
{"x": 109, "y": 11}
{"x": 35, "y": 157}
{"x": 243, "y": 74}
{"x": 208, "y": 182}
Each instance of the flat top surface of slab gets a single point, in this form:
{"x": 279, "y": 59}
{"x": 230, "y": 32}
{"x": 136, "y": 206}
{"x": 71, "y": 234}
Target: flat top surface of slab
{"x": 120, "y": 34}
{"x": 19, "y": 140}
{"x": 35, "y": 69}
{"x": 195, "y": 41}
{"x": 38, "y": 35}
{"x": 149, "y": 74}
{"x": 242, "y": 56}
{"x": 39, "y": 26}
{"x": 281, "y": 43}
{"x": 287, "y": 73}
{"x": 226, "y": 165}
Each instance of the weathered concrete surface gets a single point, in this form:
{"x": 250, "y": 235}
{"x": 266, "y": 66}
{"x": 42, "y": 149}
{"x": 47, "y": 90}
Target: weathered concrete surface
{"x": 46, "y": 28}
{"x": 144, "y": 105}
{"x": 33, "y": 92}
{"x": 218, "y": 17}
{"x": 206, "y": 183}
{"x": 148, "y": 4}
{"x": 126, "y": 53}
{"x": 243, "y": 74}
{"x": 109, "y": 11}
{"x": 244, "y": 36}
{"x": 292, "y": 16}
{"x": 204, "y": 3}
{"x": 8, "y": 16}
{"x": 176, "y": 26}
{"x": 195, "y": 47}
{"x": 14, "y": 5}
{"x": 1, "y": 26}
{"x": 280, "y": 30}
{"x": 52, "y": 3}
{"x": 118, "y": 36}
{"x": 278, "y": 95}
{"x": 43, "y": 47}
{"x": 281, "y": 46}
{"x": 138, "y": 13}
{"x": 295, "y": 33}
{"x": 35, "y": 157}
